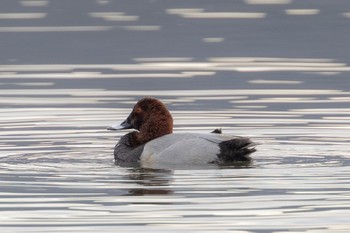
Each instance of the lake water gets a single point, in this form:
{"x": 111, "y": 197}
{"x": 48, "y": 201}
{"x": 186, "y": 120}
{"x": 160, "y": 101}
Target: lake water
{"x": 57, "y": 170}
{"x": 232, "y": 71}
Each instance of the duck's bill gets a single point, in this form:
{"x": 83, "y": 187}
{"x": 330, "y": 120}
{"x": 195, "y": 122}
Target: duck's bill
{"x": 123, "y": 125}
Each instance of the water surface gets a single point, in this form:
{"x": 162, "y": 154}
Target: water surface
{"x": 63, "y": 80}
{"x": 57, "y": 171}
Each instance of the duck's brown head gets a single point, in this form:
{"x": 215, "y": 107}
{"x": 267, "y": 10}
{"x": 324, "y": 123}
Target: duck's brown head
{"x": 150, "y": 117}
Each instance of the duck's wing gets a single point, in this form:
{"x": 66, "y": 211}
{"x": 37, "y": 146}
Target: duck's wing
{"x": 180, "y": 148}
{"x": 193, "y": 148}
{"x": 218, "y": 138}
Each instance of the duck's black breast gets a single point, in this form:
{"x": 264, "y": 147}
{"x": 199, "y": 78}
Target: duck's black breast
{"x": 125, "y": 154}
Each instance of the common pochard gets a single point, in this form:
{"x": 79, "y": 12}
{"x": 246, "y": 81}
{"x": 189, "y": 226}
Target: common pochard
{"x": 155, "y": 143}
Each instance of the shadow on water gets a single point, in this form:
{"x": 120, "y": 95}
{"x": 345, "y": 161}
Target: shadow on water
{"x": 151, "y": 181}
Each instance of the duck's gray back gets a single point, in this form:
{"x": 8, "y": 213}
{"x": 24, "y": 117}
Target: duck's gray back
{"x": 188, "y": 148}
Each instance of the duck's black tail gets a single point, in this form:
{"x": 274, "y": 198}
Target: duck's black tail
{"x": 236, "y": 150}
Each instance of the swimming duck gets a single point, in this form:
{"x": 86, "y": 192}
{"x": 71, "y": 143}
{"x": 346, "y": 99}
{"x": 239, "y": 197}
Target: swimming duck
{"x": 154, "y": 142}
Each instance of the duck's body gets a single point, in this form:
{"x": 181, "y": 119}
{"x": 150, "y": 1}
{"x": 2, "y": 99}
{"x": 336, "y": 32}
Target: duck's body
{"x": 176, "y": 148}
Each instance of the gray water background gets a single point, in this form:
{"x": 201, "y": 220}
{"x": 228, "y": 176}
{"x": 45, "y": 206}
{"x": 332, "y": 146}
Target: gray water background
{"x": 274, "y": 70}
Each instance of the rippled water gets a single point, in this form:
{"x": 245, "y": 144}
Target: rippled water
{"x": 274, "y": 70}
{"x": 57, "y": 172}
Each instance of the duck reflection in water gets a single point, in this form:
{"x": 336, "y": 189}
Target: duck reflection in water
{"x": 151, "y": 181}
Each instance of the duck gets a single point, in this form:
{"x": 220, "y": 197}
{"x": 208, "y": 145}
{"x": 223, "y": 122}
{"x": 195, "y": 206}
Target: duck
{"x": 152, "y": 141}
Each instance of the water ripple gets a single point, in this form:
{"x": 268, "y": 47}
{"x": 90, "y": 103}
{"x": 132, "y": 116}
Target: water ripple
{"x": 56, "y": 163}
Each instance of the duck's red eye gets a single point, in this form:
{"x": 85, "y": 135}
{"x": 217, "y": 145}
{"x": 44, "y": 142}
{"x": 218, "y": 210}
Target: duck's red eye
{"x": 138, "y": 110}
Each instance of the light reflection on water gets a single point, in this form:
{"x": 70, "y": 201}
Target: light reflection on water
{"x": 57, "y": 172}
